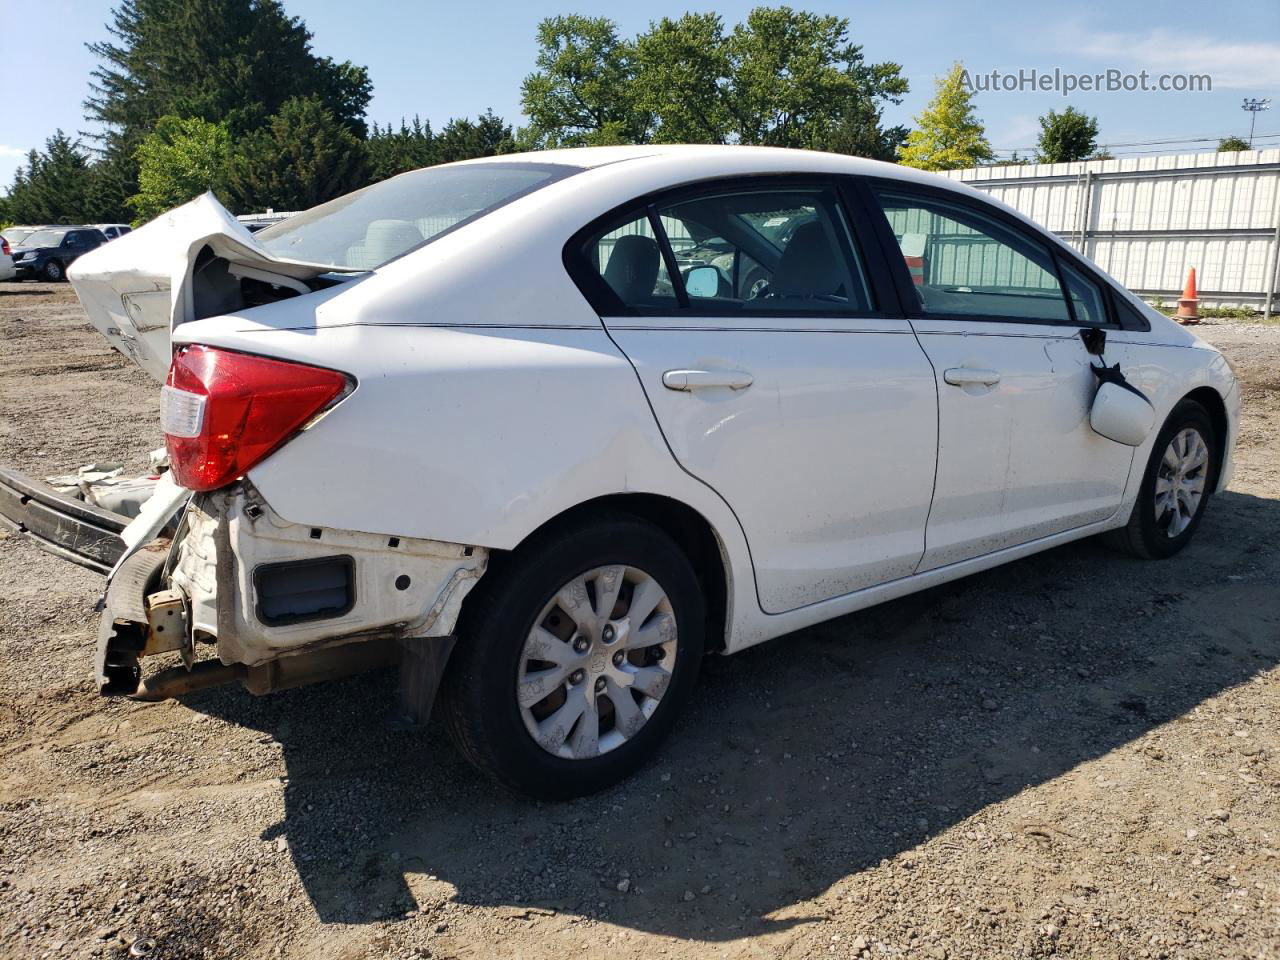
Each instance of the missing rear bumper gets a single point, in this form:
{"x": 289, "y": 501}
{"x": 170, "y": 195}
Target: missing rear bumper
{"x": 284, "y": 604}
{"x": 60, "y": 524}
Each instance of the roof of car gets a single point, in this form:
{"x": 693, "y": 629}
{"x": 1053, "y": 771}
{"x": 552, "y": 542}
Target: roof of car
{"x": 760, "y": 159}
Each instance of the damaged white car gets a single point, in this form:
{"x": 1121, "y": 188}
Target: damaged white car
{"x": 546, "y": 429}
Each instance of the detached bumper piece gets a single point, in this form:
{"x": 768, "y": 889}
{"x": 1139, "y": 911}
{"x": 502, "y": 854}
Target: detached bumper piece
{"x": 69, "y": 528}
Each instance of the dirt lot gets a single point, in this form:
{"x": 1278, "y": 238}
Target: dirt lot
{"x": 1075, "y": 755}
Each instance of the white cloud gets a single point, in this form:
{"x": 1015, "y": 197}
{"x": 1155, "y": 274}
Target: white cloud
{"x": 12, "y": 151}
{"x": 1230, "y": 64}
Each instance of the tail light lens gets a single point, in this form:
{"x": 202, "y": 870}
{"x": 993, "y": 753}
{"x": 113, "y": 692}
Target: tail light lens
{"x": 4, "y": 247}
{"x": 223, "y": 412}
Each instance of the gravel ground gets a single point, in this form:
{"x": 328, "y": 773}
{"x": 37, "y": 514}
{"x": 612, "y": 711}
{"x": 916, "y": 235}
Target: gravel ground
{"x": 1074, "y": 755}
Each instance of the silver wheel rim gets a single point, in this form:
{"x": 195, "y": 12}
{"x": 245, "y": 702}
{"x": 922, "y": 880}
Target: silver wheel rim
{"x": 1180, "y": 481}
{"x": 597, "y": 662}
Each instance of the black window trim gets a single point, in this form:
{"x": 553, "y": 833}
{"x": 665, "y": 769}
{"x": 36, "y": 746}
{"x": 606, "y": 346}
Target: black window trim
{"x": 1058, "y": 255}
{"x": 607, "y": 304}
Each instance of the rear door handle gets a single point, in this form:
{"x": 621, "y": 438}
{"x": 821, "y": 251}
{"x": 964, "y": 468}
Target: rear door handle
{"x": 967, "y": 376}
{"x": 687, "y": 380}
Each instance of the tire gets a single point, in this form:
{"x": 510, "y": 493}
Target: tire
{"x": 1154, "y": 537}
{"x": 490, "y": 682}
{"x": 52, "y": 271}
{"x": 755, "y": 284}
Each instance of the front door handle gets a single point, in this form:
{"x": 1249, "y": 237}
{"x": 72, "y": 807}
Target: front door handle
{"x": 968, "y": 376}
{"x": 687, "y": 380}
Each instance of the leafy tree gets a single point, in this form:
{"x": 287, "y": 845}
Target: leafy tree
{"x": 1068, "y": 136}
{"x": 781, "y": 78}
{"x": 682, "y": 80}
{"x": 797, "y": 81}
{"x": 179, "y": 160}
{"x": 580, "y": 94}
{"x": 949, "y": 135}
{"x": 303, "y": 157}
{"x": 233, "y": 62}
{"x": 1231, "y": 144}
{"x": 54, "y": 186}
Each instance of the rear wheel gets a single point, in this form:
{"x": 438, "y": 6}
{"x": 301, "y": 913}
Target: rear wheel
{"x": 573, "y": 661}
{"x": 52, "y": 271}
{"x": 1176, "y": 487}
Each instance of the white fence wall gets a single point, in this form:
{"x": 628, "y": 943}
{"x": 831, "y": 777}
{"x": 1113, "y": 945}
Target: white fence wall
{"x": 1146, "y": 220}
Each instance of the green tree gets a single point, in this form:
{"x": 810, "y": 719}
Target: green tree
{"x": 781, "y": 78}
{"x": 798, "y": 82}
{"x": 682, "y": 80}
{"x": 392, "y": 151}
{"x": 465, "y": 139}
{"x": 235, "y": 62}
{"x": 581, "y": 94}
{"x": 1232, "y": 144}
{"x": 179, "y": 160}
{"x": 948, "y": 135}
{"x": 1067, "y": 136}
{"x": 303, "y": 157}
{"x": 54, "y": 185}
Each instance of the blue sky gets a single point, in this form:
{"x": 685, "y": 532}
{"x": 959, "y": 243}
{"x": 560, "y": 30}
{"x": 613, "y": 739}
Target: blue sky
{"x": 453, "y": 59}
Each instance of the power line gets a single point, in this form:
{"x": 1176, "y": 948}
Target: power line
{"x": 1145, "y": 143}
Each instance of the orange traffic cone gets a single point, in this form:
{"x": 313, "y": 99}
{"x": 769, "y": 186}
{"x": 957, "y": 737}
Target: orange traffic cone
{"x": 1186, "y": 314}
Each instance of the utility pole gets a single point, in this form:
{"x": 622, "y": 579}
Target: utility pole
{"x": 1254, "y": 107}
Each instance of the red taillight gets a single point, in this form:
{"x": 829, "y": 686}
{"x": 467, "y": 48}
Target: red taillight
{"x": 223, "y": 412}
{"x": 4, "y": 247}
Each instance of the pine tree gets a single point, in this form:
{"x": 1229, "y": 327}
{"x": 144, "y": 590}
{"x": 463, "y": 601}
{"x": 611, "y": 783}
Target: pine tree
{"x": 949, "y": 135}
{"x": 54, "y": 186}
{"x": 303, "y": 157}
{"x": 235, "y": 62}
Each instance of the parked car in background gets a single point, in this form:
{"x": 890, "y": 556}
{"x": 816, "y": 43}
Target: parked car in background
{"x": 113, "y": 230}
{"x": 7, "y": 271}
{"x": 46, "y": 254}
{"x": 15, "y": 235}
{"x": 487, "y": 402}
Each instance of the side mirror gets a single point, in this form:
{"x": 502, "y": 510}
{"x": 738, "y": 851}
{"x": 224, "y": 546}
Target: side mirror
{"x": 702, "y": 282}
{"x": 1121, "y": 415}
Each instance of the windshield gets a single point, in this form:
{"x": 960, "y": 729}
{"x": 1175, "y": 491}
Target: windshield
{"x": 370, "y": 227}
{"x": 16, "y": 235}
{"x": 44, "y": 238}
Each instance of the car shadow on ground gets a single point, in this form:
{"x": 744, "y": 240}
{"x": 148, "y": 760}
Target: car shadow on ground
{"x": 802, "y": 762}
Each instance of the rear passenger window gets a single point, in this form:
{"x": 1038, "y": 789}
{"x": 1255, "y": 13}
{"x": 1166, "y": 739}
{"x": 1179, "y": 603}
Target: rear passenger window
{"x": 964, "y": 264}
{"x": 766, "y": 251}
{"x": 629, "y": 259}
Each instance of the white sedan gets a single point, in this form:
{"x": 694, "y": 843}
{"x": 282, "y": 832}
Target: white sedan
{"x": 549, "y": 428}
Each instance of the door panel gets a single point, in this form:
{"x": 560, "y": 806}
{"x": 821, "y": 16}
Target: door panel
{"x": 827, "y": 458}
{"x": 753, "y": 326}
{"x": 1017, "y": 459}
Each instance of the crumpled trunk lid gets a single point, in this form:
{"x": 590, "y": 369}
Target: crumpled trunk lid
{"x": 137, "y": 288}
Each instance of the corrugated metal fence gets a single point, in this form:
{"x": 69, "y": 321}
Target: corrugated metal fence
{"x": 1146, "y": 220}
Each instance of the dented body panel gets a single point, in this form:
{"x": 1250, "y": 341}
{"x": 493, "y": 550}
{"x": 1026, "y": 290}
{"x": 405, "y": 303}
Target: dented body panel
{"x": 140, "y": 286}
{"x": 400, "y": 586}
